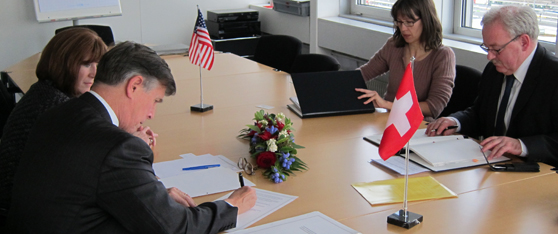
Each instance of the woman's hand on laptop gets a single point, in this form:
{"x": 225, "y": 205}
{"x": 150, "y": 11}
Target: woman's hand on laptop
{"x": 375, "y": 98}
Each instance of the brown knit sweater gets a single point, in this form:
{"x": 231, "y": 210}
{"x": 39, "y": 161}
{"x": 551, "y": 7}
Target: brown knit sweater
{"x": 433, "y": 75}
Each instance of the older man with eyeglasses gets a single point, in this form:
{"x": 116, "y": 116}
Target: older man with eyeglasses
{"x": 516, "y": 110}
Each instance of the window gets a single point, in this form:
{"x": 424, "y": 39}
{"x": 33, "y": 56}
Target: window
{"x": 471, "y": 12}
{"x": 376, "y": 9}
{"x": 466, "y": 14}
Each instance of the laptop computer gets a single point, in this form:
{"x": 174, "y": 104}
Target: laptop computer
{"x": 328, "y": 93}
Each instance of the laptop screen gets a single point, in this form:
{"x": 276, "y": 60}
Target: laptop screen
{"x": 330, "y": 93}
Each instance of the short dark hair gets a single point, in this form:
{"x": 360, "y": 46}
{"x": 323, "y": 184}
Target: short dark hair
{"x": 64, "y": 54}
{"x": 424, "y": 10}
{"x": 128, "y": 59}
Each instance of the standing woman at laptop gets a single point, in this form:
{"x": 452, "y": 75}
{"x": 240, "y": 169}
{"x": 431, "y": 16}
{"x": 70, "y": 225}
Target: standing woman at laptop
{"x": 66, "y": 69}
{"x": 418, "y": 34}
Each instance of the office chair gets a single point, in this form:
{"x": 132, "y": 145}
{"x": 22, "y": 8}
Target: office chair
{"x": 105, "y": 32}
{"x": 277, "y": 51}
{"x": 314, "y": 63}
{"x": 7, "y": 98}
{"x": 465, "y": 89}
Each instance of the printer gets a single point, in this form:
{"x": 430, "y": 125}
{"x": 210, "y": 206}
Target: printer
{"x": 223, "y": 24}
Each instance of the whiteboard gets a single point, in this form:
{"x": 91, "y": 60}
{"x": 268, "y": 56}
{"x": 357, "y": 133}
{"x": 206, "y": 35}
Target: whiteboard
{"x": 59, "y": 10}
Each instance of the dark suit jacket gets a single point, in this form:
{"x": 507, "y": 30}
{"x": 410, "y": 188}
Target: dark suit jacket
{"x": 534, "y": 117}
{"x": 81, "y": 174}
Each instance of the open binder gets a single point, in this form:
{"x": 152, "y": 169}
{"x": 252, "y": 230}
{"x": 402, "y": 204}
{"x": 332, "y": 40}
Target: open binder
{"x": 442, "y": 153}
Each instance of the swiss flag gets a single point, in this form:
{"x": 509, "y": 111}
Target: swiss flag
{"x": 404, "y": 118}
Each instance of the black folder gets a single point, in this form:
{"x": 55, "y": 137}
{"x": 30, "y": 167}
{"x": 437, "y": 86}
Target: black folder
{"x": 328, "y": 93}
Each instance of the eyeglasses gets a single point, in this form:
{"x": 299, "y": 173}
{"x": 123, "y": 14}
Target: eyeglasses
{"x": 497, "y": 52}
{"x": 407, "y": 24}
{"x": 246, "y": 166}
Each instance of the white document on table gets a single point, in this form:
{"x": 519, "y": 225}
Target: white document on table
{"x": 205, "y": 181}
{"x": 314, "y": 222}
{"x": 397, "y": 164}
{"x": 174, "y": 167}
{"x": 267, "y": 203}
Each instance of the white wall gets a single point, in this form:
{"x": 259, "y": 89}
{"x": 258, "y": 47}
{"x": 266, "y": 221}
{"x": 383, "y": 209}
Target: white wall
{"x": 172, "y": 21}
{"x": 143, "y": 21}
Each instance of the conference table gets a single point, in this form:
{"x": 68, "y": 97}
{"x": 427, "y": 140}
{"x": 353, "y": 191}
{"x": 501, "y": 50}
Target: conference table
{"x": 336, "y": 154}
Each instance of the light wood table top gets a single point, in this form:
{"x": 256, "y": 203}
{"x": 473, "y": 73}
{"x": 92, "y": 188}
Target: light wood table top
{"x": 337, "y": 156}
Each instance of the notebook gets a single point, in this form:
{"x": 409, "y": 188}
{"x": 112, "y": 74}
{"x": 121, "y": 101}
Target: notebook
{"x": 441, "y": 153}
{"x": 328, "y": 93}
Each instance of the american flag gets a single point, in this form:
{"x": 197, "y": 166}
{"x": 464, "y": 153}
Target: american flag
{"x": 201, "y": 49}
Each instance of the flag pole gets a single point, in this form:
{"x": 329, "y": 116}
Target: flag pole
{"x": 407, "y": 158}
{"x": 200, "y": 107}
{"x": 404, "y": 218}
{"x": 201, "y": 88}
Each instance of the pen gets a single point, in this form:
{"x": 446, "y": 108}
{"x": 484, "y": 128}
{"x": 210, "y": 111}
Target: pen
{"x": 200, "y": 167}
{"x": 449, "y": 127}
{"x": 241, "y": 179}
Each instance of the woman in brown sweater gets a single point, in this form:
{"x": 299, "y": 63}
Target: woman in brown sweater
{"x": 418, "y": 34}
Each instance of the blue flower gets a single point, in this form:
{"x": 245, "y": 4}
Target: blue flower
{"x": 272, "y": 129}
{"x": 278, "y": 180}
{"x": 284, "y": 165}
{"x": 292, "y": 160}
{"x": 288, "y": 167}
{"x": 274, "y": 169}
{"x": 283, "y": 176}
{"x": 286, "y": 155}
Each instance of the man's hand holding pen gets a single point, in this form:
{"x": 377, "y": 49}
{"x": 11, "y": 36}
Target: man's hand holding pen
{"x": 441, "y": 127}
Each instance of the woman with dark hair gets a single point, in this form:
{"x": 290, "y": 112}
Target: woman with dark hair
{"x": 418, "y": 34}
{"x": 66, "y": 69}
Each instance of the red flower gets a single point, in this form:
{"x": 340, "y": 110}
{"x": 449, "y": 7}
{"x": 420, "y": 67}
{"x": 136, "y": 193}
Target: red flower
{"x": 265, "y": 136}
{"x": 280, "y": 125}
{"x": 266, "y": 159}
{"x": 251, "y": 133}
{"x": 259, "y": 125}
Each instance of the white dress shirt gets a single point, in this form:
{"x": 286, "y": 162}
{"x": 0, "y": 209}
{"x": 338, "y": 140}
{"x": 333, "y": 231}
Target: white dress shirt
{"x": 112, "y": 115}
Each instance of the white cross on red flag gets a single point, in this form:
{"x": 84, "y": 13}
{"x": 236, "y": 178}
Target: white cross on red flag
{"x": 404, "y": 118}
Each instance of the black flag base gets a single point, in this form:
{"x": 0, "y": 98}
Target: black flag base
{"x": 201, "y": 107}
{"x": 399, "y": 219}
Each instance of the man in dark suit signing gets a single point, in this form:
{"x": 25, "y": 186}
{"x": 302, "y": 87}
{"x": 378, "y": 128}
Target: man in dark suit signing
{"x": 83, "y": 172}
{"x": 517, "y": 106}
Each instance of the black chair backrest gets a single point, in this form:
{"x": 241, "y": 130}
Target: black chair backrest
{"x": 465, "y": 89}
{"x": 7, "y": 99}
{"x": 277, "y": 51}
{"x": 314, "y": 63}
{"x": 105, "y": 32}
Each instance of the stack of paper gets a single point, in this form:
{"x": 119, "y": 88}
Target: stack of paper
{"x": 314, "y": 222}
{"x": 200, "y": 182}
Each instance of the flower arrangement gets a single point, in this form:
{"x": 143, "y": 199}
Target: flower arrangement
{"x": 272, "y": 145}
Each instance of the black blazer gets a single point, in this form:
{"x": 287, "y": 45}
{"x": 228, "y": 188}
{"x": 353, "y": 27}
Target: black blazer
{"x": 534, "y": 117}
{"x": 81, "y": 174}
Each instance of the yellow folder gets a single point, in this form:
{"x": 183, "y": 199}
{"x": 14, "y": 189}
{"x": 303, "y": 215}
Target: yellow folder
{"x": 391, "y": 191}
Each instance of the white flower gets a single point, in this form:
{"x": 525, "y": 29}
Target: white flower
{"x": 283, "y": 133}
{"x": 271, "y": 145}
{"x": 263, "y": 122}
{"x": 280, "y": 116}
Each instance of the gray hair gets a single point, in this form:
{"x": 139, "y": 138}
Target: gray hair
{"x": 129, "y": 59}
{"x": 517, "y": 20}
